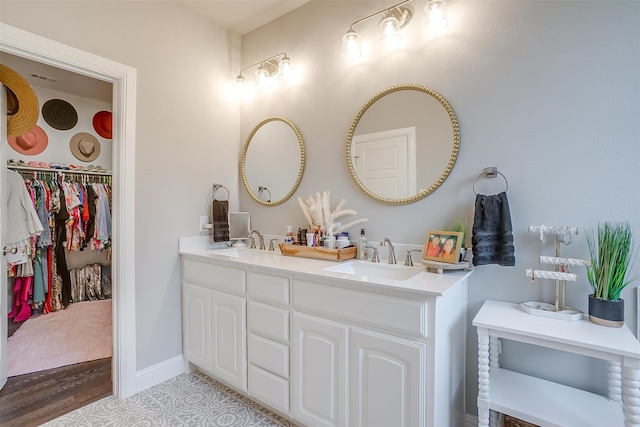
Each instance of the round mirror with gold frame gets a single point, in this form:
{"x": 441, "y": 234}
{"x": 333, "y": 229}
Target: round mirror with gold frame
{"x": 272, "y": 161}
{"x": 403, "y": 144}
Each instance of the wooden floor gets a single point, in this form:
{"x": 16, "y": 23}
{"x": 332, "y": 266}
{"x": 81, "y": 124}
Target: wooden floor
{"x": 33, "y": 399}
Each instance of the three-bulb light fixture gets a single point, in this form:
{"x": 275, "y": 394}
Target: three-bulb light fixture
{"x": 394, "y": 18}
{"x": 268, "y": 71}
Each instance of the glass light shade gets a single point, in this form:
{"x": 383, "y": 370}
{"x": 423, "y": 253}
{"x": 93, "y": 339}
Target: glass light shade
{"x": 240, "y": 84}
{"x": 262, "y": 77}
{"x": 284, "y": 68}
{"x": 390, "y": 29}
{"x": 351, "y": 47}
{"x": 436, "y": 14}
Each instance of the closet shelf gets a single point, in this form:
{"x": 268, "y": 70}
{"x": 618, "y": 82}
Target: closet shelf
{"x": 65, "y": 171}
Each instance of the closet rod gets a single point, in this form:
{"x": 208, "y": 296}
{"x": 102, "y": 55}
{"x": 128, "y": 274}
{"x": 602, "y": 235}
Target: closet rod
{"x": 65, "y": 171}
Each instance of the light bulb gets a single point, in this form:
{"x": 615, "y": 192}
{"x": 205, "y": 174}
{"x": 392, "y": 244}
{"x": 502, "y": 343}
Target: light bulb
{"x": 351, "y": 45}
{"x": 262, "y": 77}
{"x": 436, "y": 14}
{"x": 390, "y": 29}
{"x": 285, "y": 68}
{"x": 240, "y": 84}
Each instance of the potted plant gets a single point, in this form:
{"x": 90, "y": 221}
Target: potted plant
{"x": 610, "y": 256}
{"x": 460, "y": 225}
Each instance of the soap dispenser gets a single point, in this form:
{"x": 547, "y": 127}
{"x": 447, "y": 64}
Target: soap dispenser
{"x": 288, "y": 239}
{"x": 362, "y": 243}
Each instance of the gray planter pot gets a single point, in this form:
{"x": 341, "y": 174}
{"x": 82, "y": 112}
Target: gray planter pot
{"x": 606, "y": 313}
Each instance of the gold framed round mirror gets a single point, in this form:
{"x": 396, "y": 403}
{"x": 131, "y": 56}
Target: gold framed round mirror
{"x": 272, "y": 161}
{"x": 402, "y": 144}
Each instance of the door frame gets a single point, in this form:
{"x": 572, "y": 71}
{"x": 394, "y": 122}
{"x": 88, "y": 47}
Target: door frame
{"x": 123, "y": 78}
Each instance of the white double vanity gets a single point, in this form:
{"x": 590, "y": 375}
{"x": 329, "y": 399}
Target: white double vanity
{"x": 328, "y": 343}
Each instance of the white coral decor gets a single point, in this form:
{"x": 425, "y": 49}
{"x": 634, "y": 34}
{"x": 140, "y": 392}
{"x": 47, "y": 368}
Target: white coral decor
{"x": 318, "y": 213}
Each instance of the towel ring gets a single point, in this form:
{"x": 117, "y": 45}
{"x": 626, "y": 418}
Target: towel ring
{"x": 490, "y": 173}
{"x": 261, "y": 190}
{"x": 217, "y": 187}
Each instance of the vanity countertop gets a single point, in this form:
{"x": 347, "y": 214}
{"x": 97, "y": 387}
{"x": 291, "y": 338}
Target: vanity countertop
{"x": 422, "y": 282}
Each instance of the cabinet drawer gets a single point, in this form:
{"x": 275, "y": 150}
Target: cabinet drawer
{"x": 269, "y": 321}
{"x": 387, "y": 312}
{"x": 268, "y": 288}
{"x": 269, "y": 388}
{"x": 214, "y": 276}
{"x": 269, "y": 355}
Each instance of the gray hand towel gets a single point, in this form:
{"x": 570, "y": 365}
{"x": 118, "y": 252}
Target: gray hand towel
{"x": 492, "y": 233}
{"x": 220, "y": 219}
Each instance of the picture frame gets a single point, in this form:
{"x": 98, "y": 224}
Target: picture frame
{"x": 434, "y": 246}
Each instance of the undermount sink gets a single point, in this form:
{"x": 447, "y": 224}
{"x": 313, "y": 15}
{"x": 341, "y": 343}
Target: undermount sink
{"x": 373, "y": 270}
{"x": 234, "y": 252}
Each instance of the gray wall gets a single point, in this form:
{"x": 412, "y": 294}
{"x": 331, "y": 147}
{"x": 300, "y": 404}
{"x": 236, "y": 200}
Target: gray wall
{"x": 187, "y": 134}
{"x": 546, "y": 91}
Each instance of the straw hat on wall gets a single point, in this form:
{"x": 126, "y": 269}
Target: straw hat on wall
{"x": 22, "y": 102}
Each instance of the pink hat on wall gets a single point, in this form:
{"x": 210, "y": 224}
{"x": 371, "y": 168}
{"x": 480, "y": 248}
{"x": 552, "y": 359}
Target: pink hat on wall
{"x": 102, "y": 121}
{"x": 30, "y": 143}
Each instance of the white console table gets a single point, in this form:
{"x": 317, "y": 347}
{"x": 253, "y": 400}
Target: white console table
{"x": 544, "y": 402}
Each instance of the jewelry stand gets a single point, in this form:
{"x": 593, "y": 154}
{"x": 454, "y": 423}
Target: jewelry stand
{"x": 558, "y": 310}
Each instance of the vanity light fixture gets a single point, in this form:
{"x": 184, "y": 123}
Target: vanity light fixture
{"x": 394, "y": 18}
{"x": 268, "y": 70}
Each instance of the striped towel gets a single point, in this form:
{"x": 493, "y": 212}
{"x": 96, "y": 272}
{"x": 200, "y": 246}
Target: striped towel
{"x": 220, "y": 218}
{"x": 492, "y": 233}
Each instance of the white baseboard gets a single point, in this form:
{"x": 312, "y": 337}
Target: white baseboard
{"x": 160, "y": 372}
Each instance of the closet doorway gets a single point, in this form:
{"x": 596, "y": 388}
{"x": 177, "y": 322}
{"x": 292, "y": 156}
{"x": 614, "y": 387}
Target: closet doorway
{"x": 68, "y": 275}
{"x": 123, "y": 80}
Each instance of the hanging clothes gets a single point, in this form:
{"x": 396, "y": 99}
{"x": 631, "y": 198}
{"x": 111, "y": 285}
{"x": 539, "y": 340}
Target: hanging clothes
{"x": 22, "y": 218}
{"x": 50, "y": 218}
{"x": 103, "y": 218}
{"x": 61, "y": 219}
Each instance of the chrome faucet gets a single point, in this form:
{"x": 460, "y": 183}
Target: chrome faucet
{"x": 271, "y": 247}
{"x": 374, "y": 257}
{"x": 408, "y": 261}
{"x": 253, "y": 243}
{"x": 392, "y": 254}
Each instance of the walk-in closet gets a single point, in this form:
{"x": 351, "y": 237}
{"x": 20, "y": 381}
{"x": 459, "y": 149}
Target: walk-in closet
{"x": 59, "y": 177}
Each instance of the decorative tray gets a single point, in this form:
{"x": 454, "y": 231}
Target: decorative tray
{"x": 440, "y": 267}
{"x": 317, "y": 252}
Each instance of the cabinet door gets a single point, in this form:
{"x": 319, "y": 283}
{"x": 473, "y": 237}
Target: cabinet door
{"x": 387, "y": 380}
{"x": 319, "y": 362}
{"x": 229, "y": 338}
{"x": 196, "y": 325}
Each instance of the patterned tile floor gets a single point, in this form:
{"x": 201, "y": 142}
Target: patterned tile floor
{"x": 186, "y": 400}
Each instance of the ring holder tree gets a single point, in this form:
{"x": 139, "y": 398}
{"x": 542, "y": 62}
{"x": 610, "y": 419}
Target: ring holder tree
{"x": 561, "y": 275}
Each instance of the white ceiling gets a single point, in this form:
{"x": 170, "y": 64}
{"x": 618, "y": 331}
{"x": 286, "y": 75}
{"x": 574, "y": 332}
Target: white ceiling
{"x": 241, "y": 16}
{"x": 236, "y": 16}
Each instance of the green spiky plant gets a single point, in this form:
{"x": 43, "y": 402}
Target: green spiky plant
{"x": 459, "y": 225}
{"x": 611, "y": 259}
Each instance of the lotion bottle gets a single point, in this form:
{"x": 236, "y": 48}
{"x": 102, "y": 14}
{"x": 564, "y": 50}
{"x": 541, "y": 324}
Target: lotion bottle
{"x": 362, "y": 242}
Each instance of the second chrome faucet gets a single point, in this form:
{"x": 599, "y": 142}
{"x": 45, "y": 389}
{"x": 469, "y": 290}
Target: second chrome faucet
{"x": 260, "y": 238}
{"x": 392, "y": 253}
